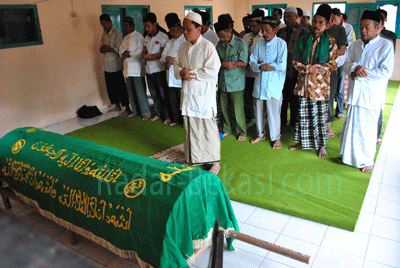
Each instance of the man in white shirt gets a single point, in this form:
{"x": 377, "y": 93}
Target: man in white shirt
{"x": 251, "y": 38}
{"x": 154, "y": 44}
{"x": 198, "y": 64}
{"x": 131, "y": 50}
{"x": 369, "y": 65}
{"x": 207, "y": 33}
{"x": 112, "y": 66}
{"x": 168, "y": 57}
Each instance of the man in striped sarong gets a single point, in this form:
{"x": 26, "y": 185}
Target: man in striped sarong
{"x": 315, "y": 58}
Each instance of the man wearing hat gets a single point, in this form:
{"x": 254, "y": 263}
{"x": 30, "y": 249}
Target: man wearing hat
{"x": 269, "y": 61}
{"x": 233, "y": 53}
{"x": 168, "y": 57}
{"x": 131, "y": 50}
{"x": 227, "y": 18}
{"x": 305, "y": 21}
{"x": 197, "y": 64}
{"x": 291, "y": 34}
{"x": 251, "y": 38}
{"x": 315, "y": 58}
{"x": 369, "y": 65}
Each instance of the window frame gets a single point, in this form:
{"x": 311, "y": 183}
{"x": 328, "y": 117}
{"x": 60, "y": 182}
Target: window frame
{"x": 208, "y": 8}
{"x": 356, "y": 27}
{"x": 37, "y": 26}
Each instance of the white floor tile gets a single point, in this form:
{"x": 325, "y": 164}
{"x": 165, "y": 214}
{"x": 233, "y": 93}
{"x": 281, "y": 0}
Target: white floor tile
{"x": 372, "y": 264}
{"x": 369, "y": 204}
{"x": 305, "y": 230}
{"x": 295, "y": 245}
{"x": 383, "y": 251}
{"x": 386, "y": 228}
{"x": 387, "y": 208}
{"x": 389, "y": 192}
{"x": 373, "y": 189}
{"x": 233, "y": 259}
{"x": 242, "y": 210}
{"x": 327, "y": 258}
{"x": 259, "y": 233}
{"x": 364, "y": 222}
{"x": 269, "y": 220}
{"x": 353, "y": 243}
{"x": 391, "y": 174}
{"x": 273, "y": 264}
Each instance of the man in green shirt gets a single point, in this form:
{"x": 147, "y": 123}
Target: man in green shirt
{"x": 233, "y": 53}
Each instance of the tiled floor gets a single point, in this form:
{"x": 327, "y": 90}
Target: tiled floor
{"x": 374, "y": 244}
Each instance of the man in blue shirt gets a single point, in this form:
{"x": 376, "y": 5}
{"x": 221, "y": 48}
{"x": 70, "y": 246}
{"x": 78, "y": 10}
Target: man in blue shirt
{"x": 269, "y": 61}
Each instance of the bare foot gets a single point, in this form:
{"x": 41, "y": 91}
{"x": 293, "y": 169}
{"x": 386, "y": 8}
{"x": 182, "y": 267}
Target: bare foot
{"x": 131, "y": 115}
{"x": 225, "y": 134}
{"x": 295, "y": 147}
{"x": 277, "y": 144}
{"x": 340, "y": 116}
{"x": 116, "y": 109}
{"x": 367, "y": 169}
{"x": 257, "y": 139}
{"x": 378, "y": 141}
{"x": 126, "y": 113}
{"x": 167, "y": 121}
{"x": 155, "y": 118}
{"x": 173, "y": 124}
{"x": 242, "y": 138}
{"x": 339, "y": 160}
{"x": 322, "y": 152}
{"x": 146, "y": 117}
{"x": 215, "y": 168}
{"x": 330, "y": 132}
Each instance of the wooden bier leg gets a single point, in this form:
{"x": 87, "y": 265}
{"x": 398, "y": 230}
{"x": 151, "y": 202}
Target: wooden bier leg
{"x": 5, "y": 197}
{"x": 269, "y": 246}
{"x": 72, "y": 237}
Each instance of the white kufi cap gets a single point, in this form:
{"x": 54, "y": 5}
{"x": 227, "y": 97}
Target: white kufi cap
{"x": 193, "y": 16}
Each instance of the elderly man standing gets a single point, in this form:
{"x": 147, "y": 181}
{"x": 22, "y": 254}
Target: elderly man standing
{"x": 369, "y": 65}
{"x": 269, "y": 61}
{"x": 315, "y": 58}
{"x": 115, "y": 83}
{"x": 233, "y": 53}
{"x": 291, "y": 34}
{"x": 197, "y": 64}
{"x": 131, "y": 50}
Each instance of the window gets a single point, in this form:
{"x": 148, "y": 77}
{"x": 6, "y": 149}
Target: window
{"x": 268, "y": 9}
{"x": 19, "y": 26}
{"x": 118, "y": 13}
{"x": 207, "y": 9}
{"x": 393, "y": 18}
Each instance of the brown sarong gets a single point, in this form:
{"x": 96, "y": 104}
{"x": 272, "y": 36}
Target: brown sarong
{"x": 202, "y": 143}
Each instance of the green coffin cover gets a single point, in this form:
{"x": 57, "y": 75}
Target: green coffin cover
{"x": 133, "y": 205}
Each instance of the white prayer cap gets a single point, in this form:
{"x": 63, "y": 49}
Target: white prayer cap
{"x": 291, "y": 9}
{"x": 306, "y": 13}
{"x": 193, "y": 16}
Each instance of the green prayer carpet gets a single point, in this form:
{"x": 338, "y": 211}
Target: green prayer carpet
{"x": 297, "y": 183}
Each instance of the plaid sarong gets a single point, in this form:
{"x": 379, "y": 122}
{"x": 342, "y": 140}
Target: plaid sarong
{"x": 311, "y": 126}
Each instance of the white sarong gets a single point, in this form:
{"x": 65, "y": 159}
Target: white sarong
{"x": 358, "y": 142}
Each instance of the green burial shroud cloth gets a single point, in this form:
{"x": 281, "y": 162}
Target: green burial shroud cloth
{"x": 135, "y": 206}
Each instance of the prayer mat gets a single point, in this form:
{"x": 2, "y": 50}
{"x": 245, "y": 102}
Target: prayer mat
{"x": 297, "y": 182}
